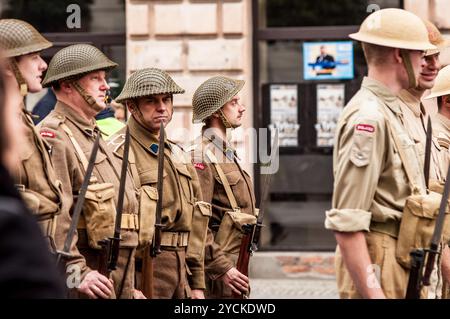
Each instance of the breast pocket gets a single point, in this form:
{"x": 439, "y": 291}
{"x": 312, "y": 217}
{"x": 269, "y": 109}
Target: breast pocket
{"x": 186, "y": 181}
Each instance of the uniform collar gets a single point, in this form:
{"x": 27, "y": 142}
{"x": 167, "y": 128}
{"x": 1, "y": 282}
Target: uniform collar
{"x": 413, "y": 103}
{"x": 383, "y": 92}
{"x": 86, "y": 126}
{"x": 144, "y": 137}
{"x": 225, "y": 147}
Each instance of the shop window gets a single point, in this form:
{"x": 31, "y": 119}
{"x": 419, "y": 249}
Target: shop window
{"x": 294, "y": 13}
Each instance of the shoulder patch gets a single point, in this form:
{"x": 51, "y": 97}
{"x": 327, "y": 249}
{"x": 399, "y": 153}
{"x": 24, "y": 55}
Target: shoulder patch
{"x": 365, "y": 128}
{"x": 199, "y": 166}
{"x": 49, "y": 134}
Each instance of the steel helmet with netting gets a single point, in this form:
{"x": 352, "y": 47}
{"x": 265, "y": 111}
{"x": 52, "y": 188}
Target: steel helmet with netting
{"x": 18, "y": 38}
{"x": 212, "y": 94}
{"x": 74, "y": 61}
{"x": 147, "y": 82}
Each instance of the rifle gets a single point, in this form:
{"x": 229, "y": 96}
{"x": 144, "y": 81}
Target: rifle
{"x": 63, "y": 255}
{"x": 416, "y": 280}
{"x": 252, "y": 233}
{"x": 155, "y": 247}
{"x": 110, "y": 246}
{"x": 426, "y": 166}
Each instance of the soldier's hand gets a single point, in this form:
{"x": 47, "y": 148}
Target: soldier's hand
{"x": 237, "y": 281}
{"x": 137, "y": 294}
{"x": 96, "y": 285}
{"x": 197, "y": 294}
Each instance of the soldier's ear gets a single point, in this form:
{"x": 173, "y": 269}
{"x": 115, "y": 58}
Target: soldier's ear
{"x": 216, "y": 115}
{"x": 65, "y": 86}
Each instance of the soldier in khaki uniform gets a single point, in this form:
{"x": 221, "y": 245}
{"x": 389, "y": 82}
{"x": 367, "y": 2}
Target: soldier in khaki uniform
{"x": 224, "y": 183}
{"x": 77, "y": 76}
{"x": 35, "y": 176}
{"x": 148, "y": 94}
{"x": 415, "y": 117}
{"x": 371, "y": 185}
{"x": 441, "y": 134}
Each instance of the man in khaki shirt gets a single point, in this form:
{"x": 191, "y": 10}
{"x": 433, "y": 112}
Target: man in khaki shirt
{"x": 416, "y": 117}
{"x": 414, "y": 113}
{"x": 441, "y": 133}
{"x": 216, "y": 104}
{"x": 371, "y": 185}
{"x": 35, "y": 176}
{"x": 77, "y": 76}
{"x": 179, "y": 270}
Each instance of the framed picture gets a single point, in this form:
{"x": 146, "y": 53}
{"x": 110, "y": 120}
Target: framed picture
{"x": 284, "y": 113}
{"x": 330, "y": 103}
{"x": 328, "y": 60}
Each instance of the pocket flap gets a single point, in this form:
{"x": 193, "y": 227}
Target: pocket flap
{"x": 205, "y": 208}
{"x": 426, "y": 206}
{"x": 151, "y": 192}
{"x": 233, "y": 177}
{"x": 241, "y": 219}
{"x": 99, "y": 158}
{"x": 150, "y": 176}
{"x": 182, "y": 169}
{"x": 100, "y": 191}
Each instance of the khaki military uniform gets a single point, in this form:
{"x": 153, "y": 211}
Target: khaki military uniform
{"x": 441, "y": 132}
{"x": 415, "y": 119}
{"x": 70, "y": 170}
{"x": 36, "y": 180}
{"x": 371, "y": 185}
{"x": 181, "y": 197}
{"x": 218, "y": 261}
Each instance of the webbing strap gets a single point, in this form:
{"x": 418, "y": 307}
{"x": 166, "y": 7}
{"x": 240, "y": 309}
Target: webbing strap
{"x": 224, "y": 180}
{"x": 77, "y": 146}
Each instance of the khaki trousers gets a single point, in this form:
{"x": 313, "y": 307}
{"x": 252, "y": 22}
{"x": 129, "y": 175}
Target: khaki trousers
{"x": 393, "y": 277}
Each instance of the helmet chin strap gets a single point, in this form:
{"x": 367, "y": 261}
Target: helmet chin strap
{"x": 413, "y": 83}
{"x": 19, "y": 77}
{"x": 225, "y": 121}
{"x": 87, "y": 97}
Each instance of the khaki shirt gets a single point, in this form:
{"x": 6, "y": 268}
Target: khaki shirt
{"x": 415, "y": 120}
{"x": 214, "y": 192}
{"x": 441, "y": 133}
{"x": 180, "y": 187}
{"x": 370, "y": 182}
{"x": 71, "y": 172}
{"x": 36, "y": 177}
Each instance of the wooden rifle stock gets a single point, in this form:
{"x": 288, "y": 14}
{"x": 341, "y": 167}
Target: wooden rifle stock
{"x": 245, "y": 252}
{"x": 147, "y": 274}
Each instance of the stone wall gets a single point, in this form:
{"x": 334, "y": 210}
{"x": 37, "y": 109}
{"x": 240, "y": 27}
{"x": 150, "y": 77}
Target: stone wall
{"x": 192, "y": 40}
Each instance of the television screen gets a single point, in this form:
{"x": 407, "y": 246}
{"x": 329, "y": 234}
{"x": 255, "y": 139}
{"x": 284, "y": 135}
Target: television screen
{"x": 328, "y": 60}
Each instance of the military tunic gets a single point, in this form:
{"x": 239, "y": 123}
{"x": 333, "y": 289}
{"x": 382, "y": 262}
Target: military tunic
{"x": 107, "y": 168}
{"x": 181, "y": 191}
{"x": 371, "y": 186}
{"x": 37, "y": 181}
{"x": 218, "y": 262}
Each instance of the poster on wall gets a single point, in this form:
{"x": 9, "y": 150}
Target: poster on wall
{"x": 328, "y": 60}
{"x": 284, "y": 113}
{"x": 330, "y": 103}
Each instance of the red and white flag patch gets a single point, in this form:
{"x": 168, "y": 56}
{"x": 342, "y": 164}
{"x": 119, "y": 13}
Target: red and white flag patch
{"x": 365, "y": 128}
{"x": 48, "y": 134}
{"x": 200, "y": 166}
